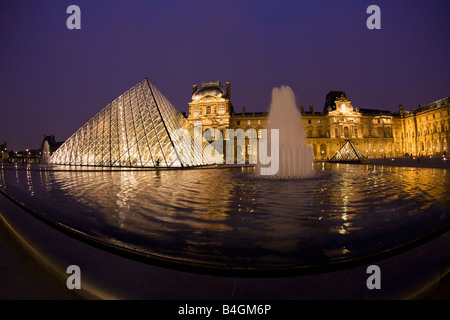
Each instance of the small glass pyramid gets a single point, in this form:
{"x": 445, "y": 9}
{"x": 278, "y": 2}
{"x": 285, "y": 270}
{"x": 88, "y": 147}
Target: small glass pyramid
{"x": 348, "y": 153}
{"x": 134, "y": 130}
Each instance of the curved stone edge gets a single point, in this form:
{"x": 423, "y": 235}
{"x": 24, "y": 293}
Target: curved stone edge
{"x": 411, "y": 275}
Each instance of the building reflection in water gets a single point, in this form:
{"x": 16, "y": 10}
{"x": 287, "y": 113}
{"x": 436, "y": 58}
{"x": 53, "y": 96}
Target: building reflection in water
{"x": 230, "y": 216}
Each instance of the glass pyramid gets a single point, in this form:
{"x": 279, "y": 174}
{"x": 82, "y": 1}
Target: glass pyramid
{"x": 348, "y": 153}
{"x": 134, "y": 130}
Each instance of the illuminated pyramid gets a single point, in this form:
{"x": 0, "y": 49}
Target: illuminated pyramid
{"x": 137, "y": 129}
{"x": 348, "y": 153}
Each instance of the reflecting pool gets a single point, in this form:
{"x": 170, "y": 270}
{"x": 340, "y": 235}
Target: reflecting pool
{"x": 228, "y": 217}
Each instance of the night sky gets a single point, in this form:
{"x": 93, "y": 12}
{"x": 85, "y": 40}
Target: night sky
{"x": 54, "y": 79}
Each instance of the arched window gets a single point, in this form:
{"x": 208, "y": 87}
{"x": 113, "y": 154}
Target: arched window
{"x": 207, "y": 135}
{"x": 389, "y": 149}
{"x": 221, "y": 109}
{"x": 346, "y": 132}
{"x": 195, "y": 111}
{"x": 208, "y": 110}
{"x": 388, "y": 132}
{"x": 380, "y": 132}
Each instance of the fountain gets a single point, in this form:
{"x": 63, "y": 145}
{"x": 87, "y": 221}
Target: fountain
{"x": 45, "y": 156}
{"x": 295, "y": 157}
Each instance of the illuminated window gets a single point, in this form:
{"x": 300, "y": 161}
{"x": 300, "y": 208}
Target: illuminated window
{"x": 196, "y": 111}
{"x": 260, "y": 133}
{"x": 221, "y": 109}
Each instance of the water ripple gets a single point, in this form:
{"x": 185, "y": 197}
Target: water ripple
{"x": 228, "y": 216}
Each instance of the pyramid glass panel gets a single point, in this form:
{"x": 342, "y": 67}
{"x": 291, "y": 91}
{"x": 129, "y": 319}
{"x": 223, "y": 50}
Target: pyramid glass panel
{"x": 137, "y": 129}
{"x": 348, "y": 153}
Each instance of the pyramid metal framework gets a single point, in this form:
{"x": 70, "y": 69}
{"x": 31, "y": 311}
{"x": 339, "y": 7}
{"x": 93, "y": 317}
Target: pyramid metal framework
{"x": 134, "y": 130}
{"x": 348, "y": 153}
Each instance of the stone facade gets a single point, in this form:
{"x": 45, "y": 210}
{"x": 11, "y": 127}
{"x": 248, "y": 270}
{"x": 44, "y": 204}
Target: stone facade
{"x": 425, "y": 130}
{"x": 376, "y": 133}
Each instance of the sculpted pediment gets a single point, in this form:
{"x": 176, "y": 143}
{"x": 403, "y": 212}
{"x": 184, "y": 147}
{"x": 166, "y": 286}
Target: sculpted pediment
{"x": 210, "y": 98}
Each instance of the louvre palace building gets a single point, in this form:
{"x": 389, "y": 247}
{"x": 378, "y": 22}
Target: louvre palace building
{"x": 423, "y": 131}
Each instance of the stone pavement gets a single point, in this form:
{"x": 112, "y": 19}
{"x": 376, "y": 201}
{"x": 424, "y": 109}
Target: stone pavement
{"x": 22, "y": 278}
{"x": 416, "y": 162}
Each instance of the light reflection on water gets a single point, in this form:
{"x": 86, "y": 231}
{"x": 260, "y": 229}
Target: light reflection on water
{"x": 228, "y": 216}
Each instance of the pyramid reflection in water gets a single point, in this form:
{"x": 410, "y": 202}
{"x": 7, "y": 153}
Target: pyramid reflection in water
{"x": 348, "y": 153}
{"x": 134, "y": 130}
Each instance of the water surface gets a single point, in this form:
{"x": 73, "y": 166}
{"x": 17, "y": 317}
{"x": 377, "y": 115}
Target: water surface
{"x": 229, "y": 217}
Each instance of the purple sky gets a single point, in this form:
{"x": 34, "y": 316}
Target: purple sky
{"x": 53, "y": 79}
